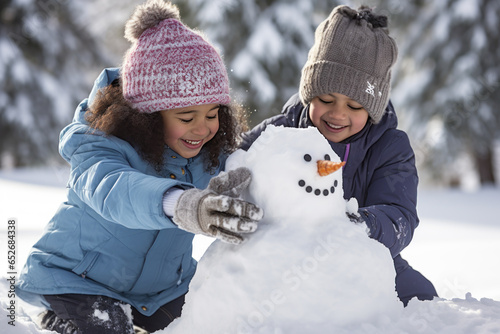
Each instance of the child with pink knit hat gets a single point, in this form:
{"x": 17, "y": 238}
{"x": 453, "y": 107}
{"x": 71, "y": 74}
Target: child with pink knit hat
{"x": 145, "y": 152}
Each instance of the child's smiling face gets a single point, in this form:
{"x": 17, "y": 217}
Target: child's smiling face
{"x": 337, "y": 116}
{"x": 188, "y": 129}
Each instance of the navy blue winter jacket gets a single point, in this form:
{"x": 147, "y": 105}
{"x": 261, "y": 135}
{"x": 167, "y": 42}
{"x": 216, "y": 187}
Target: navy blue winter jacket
{"x": 379, "y": 172}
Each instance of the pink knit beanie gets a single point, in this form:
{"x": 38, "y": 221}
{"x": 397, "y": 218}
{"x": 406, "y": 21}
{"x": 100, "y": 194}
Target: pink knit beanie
{"x": 169, "y": 65}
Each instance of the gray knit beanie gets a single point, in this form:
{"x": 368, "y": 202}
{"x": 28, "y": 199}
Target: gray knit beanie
{"x": 352, "y": 55}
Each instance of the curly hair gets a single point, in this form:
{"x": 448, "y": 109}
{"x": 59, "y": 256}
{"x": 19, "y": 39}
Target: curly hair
{"x": 113, "y": 115}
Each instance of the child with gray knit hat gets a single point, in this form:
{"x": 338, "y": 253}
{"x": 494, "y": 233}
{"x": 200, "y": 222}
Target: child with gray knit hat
{"x": 344, "y": 92}
{"x": 145, "y": 150}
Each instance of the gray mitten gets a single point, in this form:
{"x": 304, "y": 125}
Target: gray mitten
{"x": 216, "y": 211}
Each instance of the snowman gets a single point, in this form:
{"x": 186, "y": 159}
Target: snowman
{"x": 308, "y": 268}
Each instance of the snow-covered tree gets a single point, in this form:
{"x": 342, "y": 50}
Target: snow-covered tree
{"x": 445, "y": 85}
{"x": 448, "y": 82}
{"x": 105, "y": 21}
{"x": 48, "y": 62}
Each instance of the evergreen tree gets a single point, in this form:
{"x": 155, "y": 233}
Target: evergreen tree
{"x": 105, "y": 21}
{"x": 47, "y": 62}
{"x": 445, "y": 85}
{"x": 450, "y": 77}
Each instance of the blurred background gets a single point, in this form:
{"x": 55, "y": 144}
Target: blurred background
{"x": 446, "y": 84}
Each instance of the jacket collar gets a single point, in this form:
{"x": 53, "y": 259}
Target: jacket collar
{"x": 176, "y": 159}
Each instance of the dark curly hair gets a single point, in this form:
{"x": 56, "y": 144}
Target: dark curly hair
{"x": 113, "y": 115}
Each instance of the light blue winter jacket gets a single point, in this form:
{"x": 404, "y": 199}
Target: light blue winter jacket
{"x": 111, "y": 237}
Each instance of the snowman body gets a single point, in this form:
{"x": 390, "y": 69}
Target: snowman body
{"x": 307, "y": 268}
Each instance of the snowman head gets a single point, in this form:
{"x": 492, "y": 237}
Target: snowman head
{"x": 295, "y": 173}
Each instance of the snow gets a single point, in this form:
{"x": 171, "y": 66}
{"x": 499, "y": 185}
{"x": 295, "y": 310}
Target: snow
{"x": 243, "y": 65}
{"x": 456, "y": 247}
{"x": 102, "y": 316}
{"x": 280, "y": 276}
{"x": 466, "y": 9}
{"x": 212, "y": 10}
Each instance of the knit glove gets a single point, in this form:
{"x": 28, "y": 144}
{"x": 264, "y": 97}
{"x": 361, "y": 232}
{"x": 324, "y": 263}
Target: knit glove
{"x": 216, "y": 211}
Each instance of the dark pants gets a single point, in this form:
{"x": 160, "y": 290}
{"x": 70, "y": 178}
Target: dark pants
{"x": 88, "y": 314}
{"x": 411, "y": 283}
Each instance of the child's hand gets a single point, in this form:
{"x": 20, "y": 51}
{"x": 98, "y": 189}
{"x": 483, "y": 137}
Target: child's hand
{"x": 216, "y": 211}
{"x": 355, "y": 217}
{"x": 352, "y": 211}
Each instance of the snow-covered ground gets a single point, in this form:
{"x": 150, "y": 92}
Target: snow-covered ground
{"x": 457, "y": 246}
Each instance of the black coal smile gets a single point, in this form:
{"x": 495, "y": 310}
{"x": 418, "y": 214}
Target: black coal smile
{"x": 317, "y": 191}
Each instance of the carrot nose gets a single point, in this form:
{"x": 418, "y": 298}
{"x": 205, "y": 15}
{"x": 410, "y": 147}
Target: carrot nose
{"x": 326, "y": 167}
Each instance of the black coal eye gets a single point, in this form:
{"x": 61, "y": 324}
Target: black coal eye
{"x": 327, "y": 157}
{"x": 307, "y": 157}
